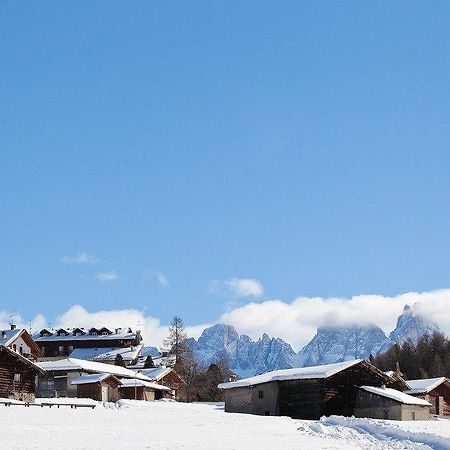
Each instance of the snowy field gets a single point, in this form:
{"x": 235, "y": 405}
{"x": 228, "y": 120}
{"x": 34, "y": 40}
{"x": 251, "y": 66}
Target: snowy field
{"x": 170, "y": 425}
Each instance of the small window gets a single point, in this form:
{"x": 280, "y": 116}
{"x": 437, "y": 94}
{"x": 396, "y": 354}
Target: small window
{"x": 43, "y": 350}
{"x": 105, "y": 333}
{"x": 413, "y": 415}
{"x": 61, "y": 349}
{"x": 21, "y": 350}
{"x": 385, "y": 414}
{"x": 17, "y": 378}
{"x": 94, "y": 333}
{"x": 260, "y": 394}
{"x": 15, "y": 347}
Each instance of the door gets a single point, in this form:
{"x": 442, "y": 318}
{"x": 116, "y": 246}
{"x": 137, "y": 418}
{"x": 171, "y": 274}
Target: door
{"x": 104, "y": 393}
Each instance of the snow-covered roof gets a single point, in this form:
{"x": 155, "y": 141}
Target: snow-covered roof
{"x": 22, "y": 358}
{"x": 7, "y": 337}
{"x": 107, "y": 353}
{"x": 72, "y": 364}
{"x": 301, "y": 373}
{"x": 92, "y": 378}
{"x": 139, "y": 383}
{"x": 398, "y": 396}
{"x": 122, "y": 333}
{"x": 155, "y": 373}
{"x": 426, "y": 385}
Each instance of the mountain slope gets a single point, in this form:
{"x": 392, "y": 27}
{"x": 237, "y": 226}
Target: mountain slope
{"x": 245, "y": 356}
{"x": 336, "y": 344}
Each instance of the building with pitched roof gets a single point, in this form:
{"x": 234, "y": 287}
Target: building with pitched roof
{"x": 387, "y": 403}
{"x": 303, "y": 393}
{"x": 436, "y": 391}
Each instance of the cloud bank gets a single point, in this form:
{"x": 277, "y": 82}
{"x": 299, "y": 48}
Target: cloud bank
{"x": 295, "y": 322}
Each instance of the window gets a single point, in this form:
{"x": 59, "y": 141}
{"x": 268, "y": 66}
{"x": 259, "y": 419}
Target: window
{"x": 385, "y": 414}
{"x": 94, "y": 333}
{"x": 21, "y": 350}
{"x": 260, "y": 394}
{"x": 413, "y": 415}
{"x": 43, "y": 350}
{"x": 15, "y": 347}
{"x": 105, "y": 333}
{"x": 61, "y": 349}
{"x": 17, "y": 378}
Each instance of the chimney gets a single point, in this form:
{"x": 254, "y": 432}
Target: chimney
{"x": 13, "y": 326}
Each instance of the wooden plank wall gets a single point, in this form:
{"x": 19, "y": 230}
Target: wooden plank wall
{"x": 10, "y": 389}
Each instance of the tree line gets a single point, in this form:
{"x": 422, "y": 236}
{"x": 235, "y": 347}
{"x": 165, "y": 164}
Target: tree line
{"x": 428, "y": 358}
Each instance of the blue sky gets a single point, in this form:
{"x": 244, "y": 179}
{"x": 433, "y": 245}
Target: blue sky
{"x": 301, "y": 144}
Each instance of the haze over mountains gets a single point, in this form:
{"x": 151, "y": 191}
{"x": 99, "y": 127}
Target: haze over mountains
{"x": 330, "y": 344}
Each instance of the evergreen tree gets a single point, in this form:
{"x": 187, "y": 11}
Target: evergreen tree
{"x": 118, "y": 360}
{"x": 149, "y": 364}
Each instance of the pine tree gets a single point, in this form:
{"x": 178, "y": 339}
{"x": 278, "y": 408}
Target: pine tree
{"x": 118, "y": 360}
{"x": 149, "y": 364}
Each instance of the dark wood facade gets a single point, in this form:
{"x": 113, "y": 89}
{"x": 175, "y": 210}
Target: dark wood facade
{"x": 439, "y": 398}
{"x": 17, "y": 376}
{"x": 94, "y": 390}
{"x": 336, "y": 395}
{"x": 308, "y": 398}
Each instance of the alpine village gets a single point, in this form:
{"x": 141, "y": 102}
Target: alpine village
{"x": 108, "y": 364}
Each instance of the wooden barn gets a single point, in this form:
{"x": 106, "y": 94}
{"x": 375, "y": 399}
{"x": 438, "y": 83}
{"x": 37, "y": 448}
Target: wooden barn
{"x": 143, "y": 390}
{"x": 436, "y": 391}
{"x": 166, "y": 376}
{"x": 17, "y": 375}
{"x": 103, "y": 387}
{"x": 388, "y": 403}
{"x": 303, "y": 393}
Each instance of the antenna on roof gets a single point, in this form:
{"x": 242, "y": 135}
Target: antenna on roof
{"x": 29, "y": 326}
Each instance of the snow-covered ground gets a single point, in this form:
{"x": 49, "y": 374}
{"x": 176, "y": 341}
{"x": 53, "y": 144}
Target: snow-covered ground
{"x": 172, "y": 425}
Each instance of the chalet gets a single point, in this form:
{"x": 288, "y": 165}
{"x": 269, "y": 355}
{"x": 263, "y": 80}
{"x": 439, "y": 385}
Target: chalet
{"x": 60, "y": 343}
{"x": 20, "y": 341}
{"x": 103, "y": 387}
{"x": 303, "y": 393}
{"x": 17, "y": 375}
{"x": 59, "y": 375}
{"x": 143, "y": 390}
{"x": 388, "y": 403}
{"x": 165, "y": 376}
{"x": 436, "y": 391}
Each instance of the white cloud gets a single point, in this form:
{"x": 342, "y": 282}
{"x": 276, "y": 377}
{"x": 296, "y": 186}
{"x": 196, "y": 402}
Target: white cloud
{"x": 239, "y": 287}
{"x": 296, "y": 322}
{"x": 161, "y": 278}
{"x": 80, "y": 258}
{"x": 107, "y": 276}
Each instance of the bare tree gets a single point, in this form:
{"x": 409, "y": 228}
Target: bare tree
{"x": 175, "y": 343}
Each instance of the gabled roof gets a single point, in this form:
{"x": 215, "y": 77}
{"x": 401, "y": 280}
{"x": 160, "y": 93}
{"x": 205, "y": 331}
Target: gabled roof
{"x": 398, "y": 396}
{"x": 302, "y": 373}
{"x": 156, "y": 373}
{"x": 94, "y": 378}
{"x": 22, "y": 359}
{"x": 106, "y": 353}
{"x": 7, "y": 338}
{"x": 426, "y": 385}
{"x": 138, "y": 383}
{"x": 73, "y": 364}
{"x": 121, "y": 334}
